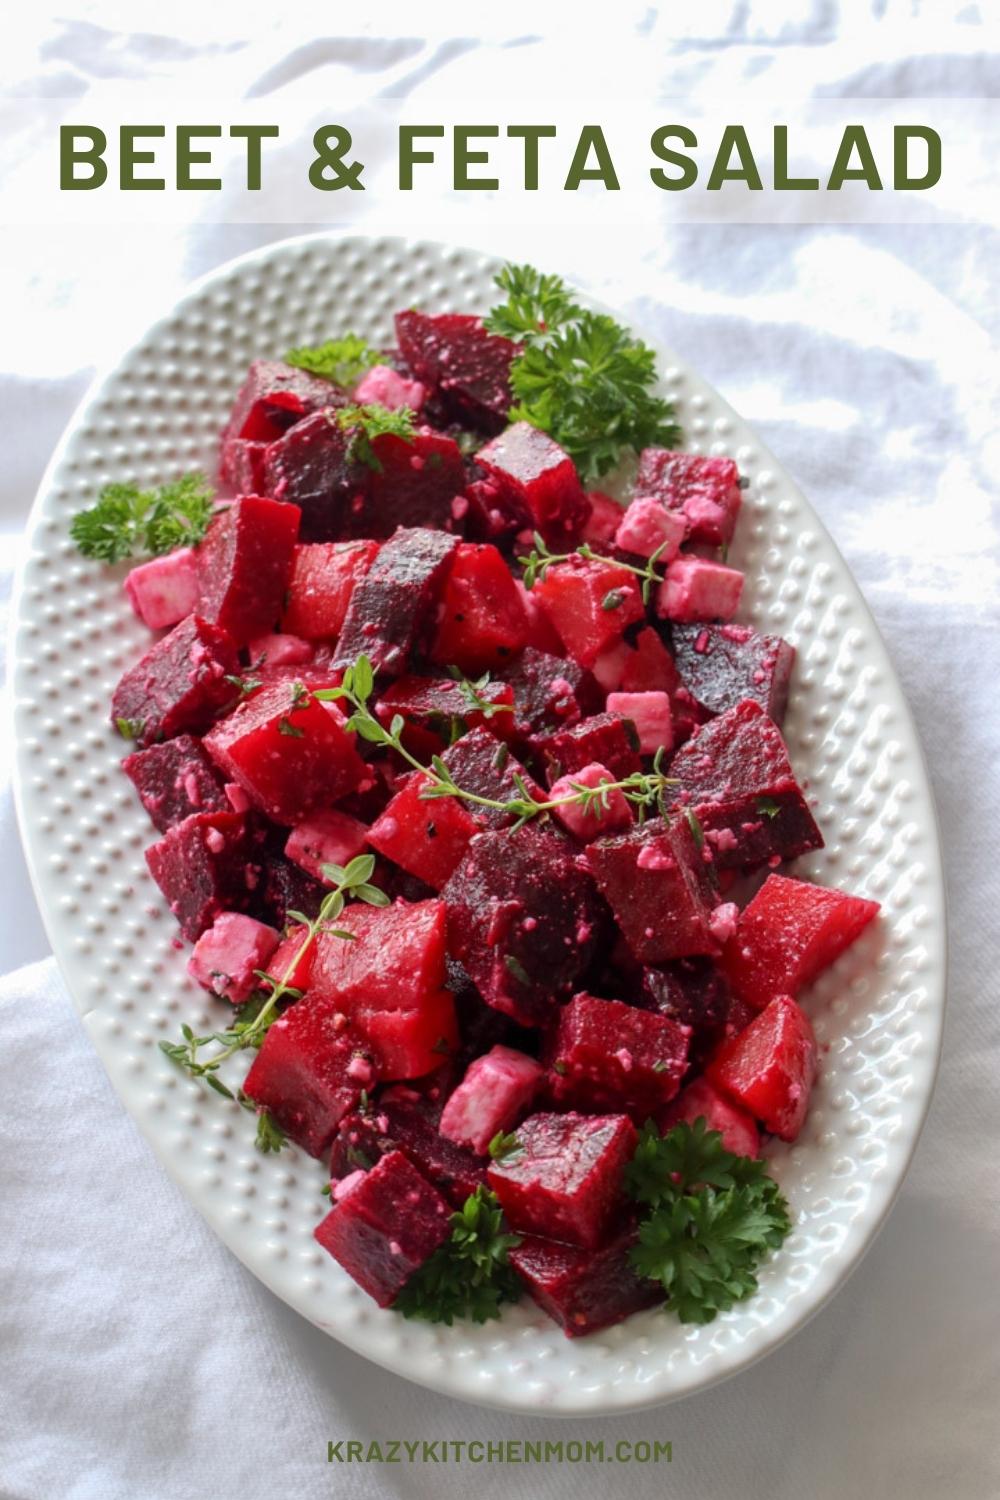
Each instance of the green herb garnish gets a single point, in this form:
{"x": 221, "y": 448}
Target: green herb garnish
{"x": 127, "y": 520}
{"x": 366, "y": 423}
{"x": 539, "y": 560}
{"x": 343, "y": 360}
{"x": 470, "y": 1276}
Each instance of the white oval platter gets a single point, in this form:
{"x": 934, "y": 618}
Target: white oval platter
{"x": 878, "y": 1013}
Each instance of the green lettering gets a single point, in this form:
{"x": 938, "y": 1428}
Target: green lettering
{"x": 253, "y": 135}
{"x": 734, "y": 137}
{"x": 186, "y": 159}
{"x": 530, "y": 135}
{"x": 408, "y": 157}
{"x": 91, "y": 156}
{"x": 854, "y": 137}
{"x": 782, "y": 182}
{"x": 902, "y": 135}
{"x": 131, "y": 158}
{"x": 464, "y": 158}
{"x": 689, "y": 167}
{"x": 591, "y": 138}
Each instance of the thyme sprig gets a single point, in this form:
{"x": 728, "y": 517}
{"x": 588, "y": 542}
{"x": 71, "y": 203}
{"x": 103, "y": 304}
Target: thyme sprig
{"x": 539, "y": 560}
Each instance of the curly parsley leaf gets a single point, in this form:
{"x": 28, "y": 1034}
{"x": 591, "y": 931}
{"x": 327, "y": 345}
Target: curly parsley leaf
{"x": 127, "y": 520}
{"x": 713, "y": 1218}
{"x": 470, "y": 1275}
{"x": 536, "y": 304}
{"x": 366, "y": 423}
{"x": 343, "y": 360}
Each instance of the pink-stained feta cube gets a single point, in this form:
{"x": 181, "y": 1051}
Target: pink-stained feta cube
{"x": 647, "y": 526}
{"x": 227, "y": 954}
{"x": 384, "y": 386}
{"x": 603, "y": 521}
{"x": 280, "y": 651}
{"x": 609, "y": 668}
{"x": 325, "y": 838}
{"x": 497, "y": 1090}
{"x": 609, "y": 815}
{"x": 650, "y": 713}
{"x": 164, "y": 590}
{"x": 696, "y": 589}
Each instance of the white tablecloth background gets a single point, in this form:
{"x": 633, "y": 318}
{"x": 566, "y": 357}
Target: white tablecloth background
{"x": 138, "y": 1359}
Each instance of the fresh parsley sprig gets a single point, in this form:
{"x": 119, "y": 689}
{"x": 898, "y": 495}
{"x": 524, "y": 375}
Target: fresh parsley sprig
{"x": 712, "y": 1218}
{"x": 645, "y": 790}
{"x": 127, "y": 520}
{"x": 366, "y": 423}
{"x": 580, "y": 376}
{"x": 262, "y": 1010}
{"x": 539, "y": 560}
{"x": 470, "y": 1275}
{"x": 342, "y": 360}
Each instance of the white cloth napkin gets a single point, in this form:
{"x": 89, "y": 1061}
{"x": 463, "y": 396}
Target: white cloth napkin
{"x": 138, "y": 1359}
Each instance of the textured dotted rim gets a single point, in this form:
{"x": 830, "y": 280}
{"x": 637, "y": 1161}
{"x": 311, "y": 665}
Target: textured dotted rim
{"x": 878, "y": 1013}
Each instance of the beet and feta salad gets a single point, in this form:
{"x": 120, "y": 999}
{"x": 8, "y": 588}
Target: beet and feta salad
{"x": 458, "y": 767}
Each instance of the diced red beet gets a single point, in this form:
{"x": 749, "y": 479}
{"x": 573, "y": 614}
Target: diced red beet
{"x": 468, "y": 367}
{"x": 537, "y": 480}
{"x": 524, "y": 920}
{"x": 427, "y": 837}
{"x": 735, "y": 775}
{"x": 650, "y": 714}
{"x": 584, "y": 1290}
{"x": 549, "y": 692}
{"x": 591, "y": 604}
{"x": 164, "y": 590}
{"x": 241, "y": 466}
{"x": 174, "y": 780}
{"x": 311, "y": 466}
{"x": 288, "y": 752}
{"x": 310, "y": 1071}
{"x": 696, "y": 589}
{"x": 606, "y": 1055}
{"x": 481, "y": 763}
{"x": 179, "y": 685}
{"x": 647, "y": 527}
{"x": 609, "y": 814}
{"x": 286, "y": 888}
{"x": 603, "y": 522}
{"x": 327, "y": 837}
{"x": 204, "y": 866}
{"x": 384, "y": 386}
{"x": 706, "y": 491}
{"x": 227, "y": 956}
{"x": 541, "y": 631}
{"x": 694, "y": 993}
{"x": 481, "y": 620}
{"x": 606, "y": 738}
{"x": 273, "y": 397}
{"x": 244, "y": 565}
{"x": 649, "y": 667}
{"x": 565, "y": 1178}
{"x": 279, "y": 649}
{"x": 770, "y": 1067}
{"x": 498, "y": 1088}
{"x": 392, "y": 606}
{"x": 395, "y": 961}
{"x": 415, "y": 483}
{"x": 701, "y": 1100}
{"x": 790, "y": 932}
{"x": 403, "y": 1121}
{"x": 411, "y": 1043}
{"x": 723, "y": 665}
{"x": 659, "y": 888}
{"x": 291, "y": 961}
{"x": 324, "y": 576}
{"x": 385, "y": 1228}
{"x": 433, "y": 707}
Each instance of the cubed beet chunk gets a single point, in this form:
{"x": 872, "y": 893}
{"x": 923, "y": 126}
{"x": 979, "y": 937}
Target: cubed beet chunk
{"x": 164, "y": 591}
{"x": 790, "y": 932}
{"x": 288, "y": 752}
{"x": 393, "y": 605}
{"x": 432, "y": 708}
{"x": 174, "y": 780}
{"x": 722, "y": 665}
{"x": 603, "y": 522}
{"x": 415, "y": 483}
{"x": 426, "y": 836}
{"x": 328, "y": 837}
{"x": 286, "y": 888}
{"x": 244, "y": 565}
{"x": 179, "y": 685}
{"x": 650, "y": 668}
{"x": 537, "y": 480}
{"x": 770, "y": 1067}
{"x": 310, "y": 1071}
{"x": 403, "y": 1121}
{"x": 606, "y": 1055}
{"x": 324, "y": 576}
{"x": 695, "y": 993}
{"x": 273, "y": 397}
{"x": 584, "y": 1290}
{"x": 549, "y": 692}
{"x": 279, "y": 649}
{"x": 606, "y": 738}
{"x": 386, "y": 1226}
{"x": 565, "y": 1175}
{"x": 591, "y": 605}
{"x": 700, "y": 1100}
{"x": 226, "y": 957}
{"x": 735, "y": 775}
{"x": 498, "y": 1088}
{"x": 524, "y": 920}
{"x": 659, "y": 888}
{"x": 241, "y": 465}
{"x": 468, "y": 368}
{"x": 706, "y": 491}
{"x": 481, "y": 763}
{"x": 204, "y": 866}
{"x": 481, "y": 621}
{"x": 311, "y": 466}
